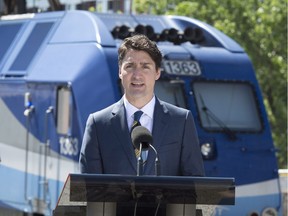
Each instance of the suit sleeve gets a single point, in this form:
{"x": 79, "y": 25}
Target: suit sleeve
{"x": 191, "y": 159}
{"x": 90, "y": 160}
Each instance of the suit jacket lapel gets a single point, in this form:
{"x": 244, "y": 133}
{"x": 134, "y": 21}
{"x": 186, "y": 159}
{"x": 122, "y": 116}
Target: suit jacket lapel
{"x": 161, "y": 118}
{"x": 119, "y": 123}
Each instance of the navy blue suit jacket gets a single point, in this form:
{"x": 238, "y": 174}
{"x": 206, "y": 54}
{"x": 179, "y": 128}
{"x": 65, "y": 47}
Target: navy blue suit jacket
{"x": 107, "y": 147}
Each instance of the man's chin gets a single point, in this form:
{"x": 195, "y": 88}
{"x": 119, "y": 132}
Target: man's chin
{"x": 136, "y": 94}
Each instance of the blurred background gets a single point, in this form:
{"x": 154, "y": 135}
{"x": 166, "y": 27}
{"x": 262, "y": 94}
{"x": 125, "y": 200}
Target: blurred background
{"x": 259, "y": 26}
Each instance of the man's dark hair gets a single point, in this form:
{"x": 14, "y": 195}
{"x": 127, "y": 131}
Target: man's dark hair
{"x": 141, "y": 43}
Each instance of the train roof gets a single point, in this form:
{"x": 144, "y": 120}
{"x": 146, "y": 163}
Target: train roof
{"x": 56, "y": 46}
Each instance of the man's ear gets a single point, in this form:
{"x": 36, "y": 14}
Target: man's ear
{"x": 120, "y": 74}
{"x": 158, "y": 74}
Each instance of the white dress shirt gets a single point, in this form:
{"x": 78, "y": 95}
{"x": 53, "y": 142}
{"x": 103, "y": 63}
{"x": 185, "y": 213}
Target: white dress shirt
{"x": 146, "y": 120}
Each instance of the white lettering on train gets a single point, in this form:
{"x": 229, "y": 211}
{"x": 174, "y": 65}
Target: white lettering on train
{"x": 69, "y": 146}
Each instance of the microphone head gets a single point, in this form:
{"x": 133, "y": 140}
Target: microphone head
{"x": 141, "y": 135}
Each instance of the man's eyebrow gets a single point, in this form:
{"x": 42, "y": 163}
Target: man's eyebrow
{"x": 149, "y": 63}
{"x": 133, "y": 62}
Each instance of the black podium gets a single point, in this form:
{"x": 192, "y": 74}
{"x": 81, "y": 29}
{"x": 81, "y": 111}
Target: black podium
{"x": 110, "y": 195}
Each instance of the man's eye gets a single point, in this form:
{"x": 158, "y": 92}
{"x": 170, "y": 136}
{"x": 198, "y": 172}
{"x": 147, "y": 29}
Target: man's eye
{"x": 146, "y": 66}
{"x": 128, "y": 66}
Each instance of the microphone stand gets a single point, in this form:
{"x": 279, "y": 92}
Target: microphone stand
{"x": 140, "y": 162}
{"x": 157, "y": 162}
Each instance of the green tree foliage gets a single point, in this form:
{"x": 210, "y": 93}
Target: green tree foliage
{"x": 260, "y": 27}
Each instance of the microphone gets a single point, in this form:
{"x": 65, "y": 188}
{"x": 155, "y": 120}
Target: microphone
{"x": 141, "y": 136}
{"x": 142, "y": 140}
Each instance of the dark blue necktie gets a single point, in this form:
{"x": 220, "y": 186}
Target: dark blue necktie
{"x": 137, "y": 116}
{"x": 136, "y": 122}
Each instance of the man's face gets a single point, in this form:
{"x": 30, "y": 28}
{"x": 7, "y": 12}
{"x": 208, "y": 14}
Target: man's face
{"x": 138, "y": 75}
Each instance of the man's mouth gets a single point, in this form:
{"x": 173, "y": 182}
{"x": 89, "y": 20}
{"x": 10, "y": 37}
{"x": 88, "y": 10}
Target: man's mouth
{"x": 137, "y": 84}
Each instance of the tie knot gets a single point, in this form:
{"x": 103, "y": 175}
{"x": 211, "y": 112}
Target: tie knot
{"x": 137, "y": 115}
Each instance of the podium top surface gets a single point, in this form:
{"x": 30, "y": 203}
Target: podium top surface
{"x": 82, "y": 188}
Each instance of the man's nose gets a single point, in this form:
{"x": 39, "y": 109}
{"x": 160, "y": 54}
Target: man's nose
{"x": 137, "y": 71}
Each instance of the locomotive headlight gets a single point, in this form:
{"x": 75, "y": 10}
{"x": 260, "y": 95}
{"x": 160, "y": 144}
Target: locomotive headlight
{"x": 208, "y": 150}
{"x": 269, "y": 212}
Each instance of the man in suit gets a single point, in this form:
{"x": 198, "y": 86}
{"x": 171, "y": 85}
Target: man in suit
{"x": 107, "y": 147}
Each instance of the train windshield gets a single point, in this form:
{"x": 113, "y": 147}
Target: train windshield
{"x": 171, "y": 91}
{"x": 223, "y": 106}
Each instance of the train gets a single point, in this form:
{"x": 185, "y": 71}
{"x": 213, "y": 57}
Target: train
{"x": 58, "y": 67}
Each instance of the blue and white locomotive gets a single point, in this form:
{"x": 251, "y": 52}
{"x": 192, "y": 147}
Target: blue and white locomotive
{"x": 57, "y": 67}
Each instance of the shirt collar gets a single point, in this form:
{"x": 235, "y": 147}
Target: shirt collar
{"x": 148, "y": 109}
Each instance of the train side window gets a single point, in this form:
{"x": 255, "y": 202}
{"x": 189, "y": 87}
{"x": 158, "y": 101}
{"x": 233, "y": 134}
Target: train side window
{"x": 31, "y": 46}
{"x": 223, "y": 105}
{"x": 171, "y": 91}
{"x": 7, "y": 36}
{"x": 64, "y": 110}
